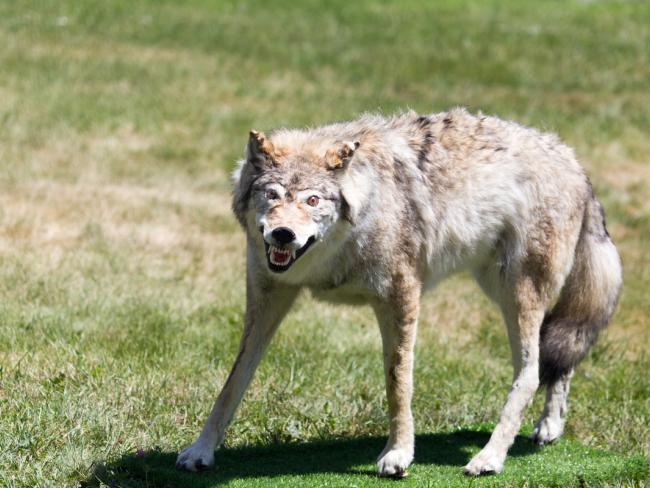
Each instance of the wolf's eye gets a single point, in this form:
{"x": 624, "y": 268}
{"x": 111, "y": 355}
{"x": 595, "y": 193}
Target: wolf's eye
{"x": 271, "y": 194}
{"x": 313, "y": 200}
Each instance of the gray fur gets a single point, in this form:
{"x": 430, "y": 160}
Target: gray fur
{"x": 381, "y": 209}
{"x": 573, "y": 325}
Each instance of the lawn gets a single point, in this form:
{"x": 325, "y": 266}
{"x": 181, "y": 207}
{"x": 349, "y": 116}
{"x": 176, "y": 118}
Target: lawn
{"x": 121, "y": 277}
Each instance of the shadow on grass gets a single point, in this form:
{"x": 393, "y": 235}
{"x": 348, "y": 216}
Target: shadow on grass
{"x": 343, "y": 456}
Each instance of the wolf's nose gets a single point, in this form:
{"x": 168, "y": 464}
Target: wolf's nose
{"x": 283, "y": 235}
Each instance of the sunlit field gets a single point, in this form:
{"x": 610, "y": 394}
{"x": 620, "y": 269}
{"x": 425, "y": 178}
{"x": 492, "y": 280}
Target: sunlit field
{"x": 122, "y": 268}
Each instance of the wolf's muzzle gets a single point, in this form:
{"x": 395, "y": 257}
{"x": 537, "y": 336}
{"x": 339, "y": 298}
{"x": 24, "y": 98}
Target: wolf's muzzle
{"x": 283, "y": 235}
{"x": 280, "y": 258}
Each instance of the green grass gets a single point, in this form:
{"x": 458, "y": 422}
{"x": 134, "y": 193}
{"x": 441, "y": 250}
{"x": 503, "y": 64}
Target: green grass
{"x": 345, "y": 462}
{"x": 121, "y": 268}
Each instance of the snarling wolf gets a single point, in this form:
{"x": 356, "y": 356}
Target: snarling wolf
{"x": 378, "y": 210}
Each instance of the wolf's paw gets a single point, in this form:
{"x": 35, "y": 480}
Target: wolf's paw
{"x": 393, "y": 462}
{"x": 547, "y": 430}
{"x": 485, "y": 462}
{"x": 196, "y": 457}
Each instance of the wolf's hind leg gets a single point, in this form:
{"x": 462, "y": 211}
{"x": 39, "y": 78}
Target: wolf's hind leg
{"x": 550, "y": 425}
{"x": 397, "y": 319}
{"x": 524, "y": 319}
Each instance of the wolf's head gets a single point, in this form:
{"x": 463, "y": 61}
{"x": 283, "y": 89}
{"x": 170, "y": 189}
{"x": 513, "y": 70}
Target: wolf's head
{"x": 291, "y": 196}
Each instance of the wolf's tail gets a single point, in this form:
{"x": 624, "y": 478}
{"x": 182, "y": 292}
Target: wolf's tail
{"x": 587, "y": 300}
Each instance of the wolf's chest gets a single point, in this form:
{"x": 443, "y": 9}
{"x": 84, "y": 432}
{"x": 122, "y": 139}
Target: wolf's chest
{"x": 347, "y": 293}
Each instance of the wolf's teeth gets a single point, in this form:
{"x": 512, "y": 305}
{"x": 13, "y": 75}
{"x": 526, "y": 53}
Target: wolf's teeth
{"x": 293, "y": 253}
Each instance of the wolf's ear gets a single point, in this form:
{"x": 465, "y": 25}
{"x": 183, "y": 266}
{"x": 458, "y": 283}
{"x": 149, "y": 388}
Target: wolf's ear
{"x": 339, "y": 156}
{"x": 260, "y": 151}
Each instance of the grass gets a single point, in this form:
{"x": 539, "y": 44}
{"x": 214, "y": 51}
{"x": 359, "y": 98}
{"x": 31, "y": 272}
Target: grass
{"x": 121, "y": 267}
{"x": 344, "y": 462}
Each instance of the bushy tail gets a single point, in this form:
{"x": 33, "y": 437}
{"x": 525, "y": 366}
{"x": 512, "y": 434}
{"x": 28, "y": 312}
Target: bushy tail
{"x": 587, "y": 300}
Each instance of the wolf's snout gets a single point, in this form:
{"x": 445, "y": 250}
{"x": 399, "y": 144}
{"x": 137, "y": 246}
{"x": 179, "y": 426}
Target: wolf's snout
{"x": 283, "y": 235}
{"x": 282, "y": 252}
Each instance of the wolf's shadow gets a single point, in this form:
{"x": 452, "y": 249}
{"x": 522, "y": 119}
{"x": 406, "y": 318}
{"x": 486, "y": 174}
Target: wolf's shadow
{"x": 343, "y": 456}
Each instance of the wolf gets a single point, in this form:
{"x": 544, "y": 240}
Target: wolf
{"x": 378, "y": 210}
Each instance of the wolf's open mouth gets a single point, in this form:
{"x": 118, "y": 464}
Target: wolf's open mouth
{"x": 281, "y": 259}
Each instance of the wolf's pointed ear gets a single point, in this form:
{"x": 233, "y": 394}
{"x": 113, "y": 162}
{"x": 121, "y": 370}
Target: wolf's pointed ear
{"x": 339, "y": 156}
{"x": 260, "y": 151}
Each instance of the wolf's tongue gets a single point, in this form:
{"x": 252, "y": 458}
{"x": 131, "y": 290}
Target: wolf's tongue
{"x": 279, "y": 257}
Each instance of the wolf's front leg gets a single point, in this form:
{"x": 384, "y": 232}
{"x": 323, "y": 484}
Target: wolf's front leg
{"x": 397, "y": 319}
{"x": 265, "y": 308}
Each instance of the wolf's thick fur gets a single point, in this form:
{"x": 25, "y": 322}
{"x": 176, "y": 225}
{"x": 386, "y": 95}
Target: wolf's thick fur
{"x": 377, "y": 210}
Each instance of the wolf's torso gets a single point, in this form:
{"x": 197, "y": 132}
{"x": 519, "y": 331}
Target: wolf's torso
{"x": 449, "y": 190}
